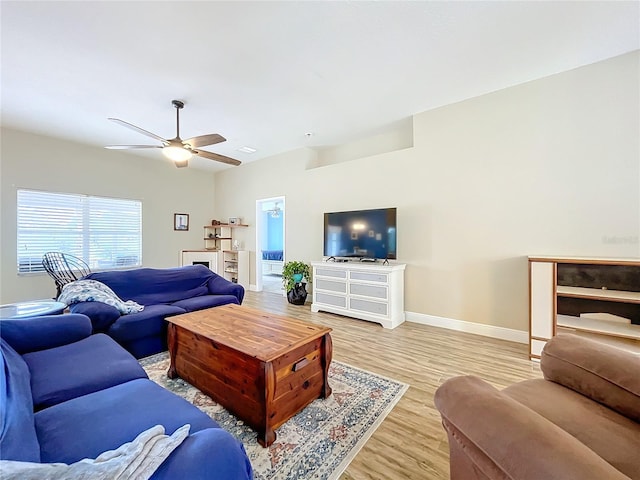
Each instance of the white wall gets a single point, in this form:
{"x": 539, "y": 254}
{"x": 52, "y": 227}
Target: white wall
{"x": 38, "y": 162}
{"x": 547, "y": 167}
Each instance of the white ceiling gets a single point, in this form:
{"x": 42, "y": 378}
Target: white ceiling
{"x": 263, "y": 74}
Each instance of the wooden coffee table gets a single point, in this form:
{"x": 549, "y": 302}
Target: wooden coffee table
{"x": 262, "y": 367}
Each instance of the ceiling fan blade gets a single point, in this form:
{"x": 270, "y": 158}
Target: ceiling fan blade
{"x": 217, "y": 157}
{"x": 203, "y": 140}
{"x": 129, "y": 147}
{"x": 138, "y": 129}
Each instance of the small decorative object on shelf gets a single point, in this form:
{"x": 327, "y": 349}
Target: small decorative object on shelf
{"x": 234, "y": 221}
{"x": 292, "y": 275}
{"x": 215, "y": 222}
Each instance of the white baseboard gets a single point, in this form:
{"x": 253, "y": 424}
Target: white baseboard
{"x": 492, "y": 331}
{"x": 254, "y": 288}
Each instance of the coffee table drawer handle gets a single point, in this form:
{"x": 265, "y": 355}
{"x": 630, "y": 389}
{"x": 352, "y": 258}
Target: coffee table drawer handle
{"x": 300, "y": 364}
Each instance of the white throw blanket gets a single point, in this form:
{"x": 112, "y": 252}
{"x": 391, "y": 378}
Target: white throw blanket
{"x": 136, "y": 460}
{"x": 94, "y": 291}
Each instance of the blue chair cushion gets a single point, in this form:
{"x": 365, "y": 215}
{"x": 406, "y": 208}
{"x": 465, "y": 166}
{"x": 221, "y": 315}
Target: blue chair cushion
{"x": 18, "y": 440}
{"x": 149, "y": 286}
{"x": 89, "y": 425}
{"x": 210, "y": 453}
{"x": 102, "y": 315}
{"x": 221, "y": 286}
{"x": 46, "y": 331}
{"x": 62, "y": 373}
{"x": 143, "y": 347}
{"x": 205, "y": 301}
{"x": 147, "y": 323}
{"x": 170, "y": 296}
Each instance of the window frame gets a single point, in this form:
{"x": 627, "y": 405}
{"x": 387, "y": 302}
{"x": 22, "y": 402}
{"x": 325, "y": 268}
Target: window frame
{"x": 91, "y": 226}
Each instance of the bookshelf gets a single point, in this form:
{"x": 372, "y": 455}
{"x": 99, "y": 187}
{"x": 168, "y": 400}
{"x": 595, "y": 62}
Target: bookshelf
{"x": 595, "y": 297}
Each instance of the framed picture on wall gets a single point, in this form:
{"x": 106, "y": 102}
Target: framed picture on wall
{"x": 181, "y": 221}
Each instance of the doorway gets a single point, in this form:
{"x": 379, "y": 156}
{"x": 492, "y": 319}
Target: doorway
{"x": 270, "y": 244}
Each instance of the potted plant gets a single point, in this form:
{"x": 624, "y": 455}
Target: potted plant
{"x": 292, "y": 275}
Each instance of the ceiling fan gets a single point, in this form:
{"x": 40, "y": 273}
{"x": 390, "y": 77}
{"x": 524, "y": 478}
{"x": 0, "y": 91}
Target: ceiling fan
{"x": 176, "y": 149}
{"x": 275, "y": 211}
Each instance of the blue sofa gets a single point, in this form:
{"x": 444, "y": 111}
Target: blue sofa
{"x": 164, "y": 293}
{"x": 67, "y": 395}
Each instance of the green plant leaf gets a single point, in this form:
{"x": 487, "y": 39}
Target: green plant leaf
{"x": 291, "y": 268}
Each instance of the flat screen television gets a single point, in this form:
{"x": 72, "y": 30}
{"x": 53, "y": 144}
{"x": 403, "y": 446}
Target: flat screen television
{"x": 361, "y": 234}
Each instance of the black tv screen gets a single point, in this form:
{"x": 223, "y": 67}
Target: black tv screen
{"x": 361, "y": 233}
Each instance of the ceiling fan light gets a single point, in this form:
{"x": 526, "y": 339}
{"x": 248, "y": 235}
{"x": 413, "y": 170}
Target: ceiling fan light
{"x": 182, "y": 163}
{"x": 177, "y": 154}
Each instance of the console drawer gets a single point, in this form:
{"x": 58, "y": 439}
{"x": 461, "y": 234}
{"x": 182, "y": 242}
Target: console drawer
{"x": 374, "y": 291}
{"x": 329, "y": 272}
{"x": 328, "y": 299}
{"x": 367, "y": 306}
{"x": 331, "y": 285}
{"x": 370, "y": 277}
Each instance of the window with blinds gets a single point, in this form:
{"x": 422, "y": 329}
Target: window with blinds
{"x": 105, "y": 232}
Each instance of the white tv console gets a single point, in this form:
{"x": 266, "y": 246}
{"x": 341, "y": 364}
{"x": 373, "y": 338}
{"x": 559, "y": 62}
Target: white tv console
{"x": 368, "y": 291}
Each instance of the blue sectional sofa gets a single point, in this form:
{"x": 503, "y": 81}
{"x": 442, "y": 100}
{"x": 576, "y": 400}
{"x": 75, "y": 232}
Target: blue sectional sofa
{"x": 164, "y": 293}
{"x": 67, "y": 395}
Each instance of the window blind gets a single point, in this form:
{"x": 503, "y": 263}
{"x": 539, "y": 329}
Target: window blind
{"x": 105, "y": 232}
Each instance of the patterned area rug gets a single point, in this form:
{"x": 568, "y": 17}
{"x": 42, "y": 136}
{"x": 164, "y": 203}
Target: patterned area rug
{"x": 321, "y": 440}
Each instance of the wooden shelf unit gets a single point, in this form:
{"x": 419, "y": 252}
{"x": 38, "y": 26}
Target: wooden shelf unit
{"x": 598, "y": 294}
{"x": 218, "y": 254}
{"x": 562, "y": 291}
{"x": 236, "y": 266}
{"x": 220, "y": 237}
{"x": 591, "y": 325}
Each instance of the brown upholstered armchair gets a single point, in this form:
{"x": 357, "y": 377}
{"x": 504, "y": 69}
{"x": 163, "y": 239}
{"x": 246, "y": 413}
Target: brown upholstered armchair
{"x": 580, "y": 422}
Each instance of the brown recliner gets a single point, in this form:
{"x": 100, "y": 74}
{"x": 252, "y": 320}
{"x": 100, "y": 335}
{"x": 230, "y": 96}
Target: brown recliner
{"x": 581, "y": 422}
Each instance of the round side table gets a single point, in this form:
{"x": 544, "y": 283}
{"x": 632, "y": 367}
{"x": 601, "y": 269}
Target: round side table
{"x": 33, "y": 308}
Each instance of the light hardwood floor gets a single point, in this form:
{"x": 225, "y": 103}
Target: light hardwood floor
{"x": 410, "y": 443}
